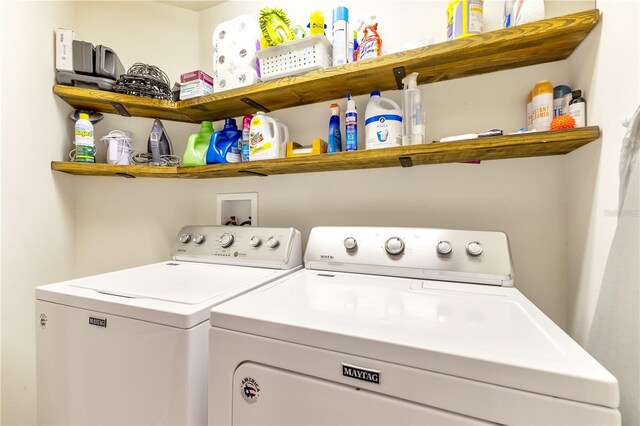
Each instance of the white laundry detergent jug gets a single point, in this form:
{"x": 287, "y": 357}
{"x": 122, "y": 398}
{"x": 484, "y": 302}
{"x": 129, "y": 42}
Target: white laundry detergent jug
{"x": 267, "y": 138}
{"x": 383, "y": 123}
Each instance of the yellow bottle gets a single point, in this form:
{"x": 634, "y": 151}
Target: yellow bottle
{"x": 316, "y": 23}
{"x": 464, "y": 18}
{"x": 542, "y": 105}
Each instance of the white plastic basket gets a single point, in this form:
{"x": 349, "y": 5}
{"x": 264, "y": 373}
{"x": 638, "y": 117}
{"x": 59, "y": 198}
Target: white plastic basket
{"x": 294, "y": 57}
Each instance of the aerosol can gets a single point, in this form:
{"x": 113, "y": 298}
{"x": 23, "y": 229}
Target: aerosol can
{"x": 412, "y": 115}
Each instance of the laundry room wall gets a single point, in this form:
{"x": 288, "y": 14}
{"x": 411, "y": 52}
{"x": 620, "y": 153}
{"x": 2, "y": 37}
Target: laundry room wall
{"x": 606, "y": 67}
{"x": 38, "y": 205}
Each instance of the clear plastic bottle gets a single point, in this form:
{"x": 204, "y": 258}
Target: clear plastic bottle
{"x": 412, "y": 115}
{"x": 84, "y": 141}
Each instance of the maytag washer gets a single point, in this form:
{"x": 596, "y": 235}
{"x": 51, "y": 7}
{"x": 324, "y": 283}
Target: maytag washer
{"x": 400, "y": 326}
{"x": 130, "y": 347}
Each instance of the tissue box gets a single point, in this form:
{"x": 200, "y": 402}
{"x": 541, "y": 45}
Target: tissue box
{"x": 318, "y": 146}
{"x": 196, "y": 75}
{"x": 194, "y": 89}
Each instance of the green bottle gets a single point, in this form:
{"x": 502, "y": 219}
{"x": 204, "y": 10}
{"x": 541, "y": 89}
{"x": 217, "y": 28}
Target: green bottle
{"x": 197, "y": 145}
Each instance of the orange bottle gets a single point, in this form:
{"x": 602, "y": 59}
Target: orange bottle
{"x": 542, "y": 105}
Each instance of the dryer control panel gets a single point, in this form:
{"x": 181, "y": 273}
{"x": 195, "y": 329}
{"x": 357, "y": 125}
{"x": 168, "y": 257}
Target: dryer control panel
{"x": 481, "y": 257}
{"x": 278, "y": 248}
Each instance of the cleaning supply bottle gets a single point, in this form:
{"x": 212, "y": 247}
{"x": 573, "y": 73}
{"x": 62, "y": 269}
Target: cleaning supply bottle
{"x": 561, "y": 100}
{"x": 341, "y": 36}
{"x": 542, "y": 105}
{"x": 464, "y": 18}
{"x": 578, "y": 108}
{"x": 316, "y": 23}
{"x": 246, "y": 129}
{"x": 267, "y": 138}
{"x": 383, "y": 123}
{"x": 351, "y": 125}
{"x": 529, "y": 110}
{"x": 223, "y": 146}
{"x": 412, "y": 116}
{"x": 334, "y": 139}
{"x": 85, "y": 147}
{"x": 197, "y": 146}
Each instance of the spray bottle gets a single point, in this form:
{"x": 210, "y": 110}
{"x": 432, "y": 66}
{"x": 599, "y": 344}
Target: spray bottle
{"x": 335, "y": 138}
{"x": 351, "y": 125}
{"x": 412, "y": 116}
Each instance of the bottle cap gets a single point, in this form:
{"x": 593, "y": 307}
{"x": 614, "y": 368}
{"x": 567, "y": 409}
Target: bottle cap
{"x": 84, "y": 116}
{"x": 340, "y": 13}
{"x": 375, "y": 93}
{"x": 334, "y": 106}
{"x": 576, "y": 93}
{"x": 229, "y": 122}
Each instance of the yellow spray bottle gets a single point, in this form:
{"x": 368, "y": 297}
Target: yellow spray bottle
{"x": 316, "y": 23}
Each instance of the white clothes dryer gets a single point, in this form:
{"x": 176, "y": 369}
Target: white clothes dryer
{"x": 131, "y": 347}
{"x": 400, "y": 326}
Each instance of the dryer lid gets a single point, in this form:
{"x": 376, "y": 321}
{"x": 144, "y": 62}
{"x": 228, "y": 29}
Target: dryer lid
{"x": 484, "y": 333}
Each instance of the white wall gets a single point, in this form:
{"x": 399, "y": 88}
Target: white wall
{"x": 38, "y": 227}
{"x": 606, "y": 66}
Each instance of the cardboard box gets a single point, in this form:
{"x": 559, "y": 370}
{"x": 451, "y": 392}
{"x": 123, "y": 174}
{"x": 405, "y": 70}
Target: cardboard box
{"x": 64, "y": 49}
{"x": 194, "y": 89}
{"x": 196, "y": 75}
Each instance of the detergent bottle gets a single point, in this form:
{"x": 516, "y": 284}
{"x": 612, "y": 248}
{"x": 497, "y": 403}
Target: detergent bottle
{"x": 267, "y": 138}
{"x": 197, "y": 146}
{"x": 412, "y": 116}
{"x": 85, "y": 147}
{"x": 223, "y": 146}
{"x": 383, "y": 123}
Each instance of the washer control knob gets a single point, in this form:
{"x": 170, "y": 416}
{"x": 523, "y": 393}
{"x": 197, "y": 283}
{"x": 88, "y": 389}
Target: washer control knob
{"x": 273, "y": 242}
{"x": 350, "y": 243}
{"x": 184, "y": 238}
{"x": 474, "y": 248}
{"x": 199, "y": 239}
{"x": 444, "y": 247}
{"x": 226, "y": 240}
{"x": 255, "y": 241}
{"x": 394, "y": 245}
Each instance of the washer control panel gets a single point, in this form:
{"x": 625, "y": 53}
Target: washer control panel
{"x": 239, "y": 245}
{"x": 481, "y": 257}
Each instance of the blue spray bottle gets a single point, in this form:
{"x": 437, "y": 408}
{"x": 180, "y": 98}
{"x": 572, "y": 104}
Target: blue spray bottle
{"x": 334, "y": 141}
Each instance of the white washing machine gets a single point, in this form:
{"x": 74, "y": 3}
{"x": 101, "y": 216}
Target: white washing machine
{"x": 131, "y": 347}
{"x": 400, "y": 326}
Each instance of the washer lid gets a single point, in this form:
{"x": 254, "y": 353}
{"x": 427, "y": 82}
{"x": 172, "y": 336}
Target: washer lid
{"x": 489, "y": 334}
{"x": 173, "y": 293}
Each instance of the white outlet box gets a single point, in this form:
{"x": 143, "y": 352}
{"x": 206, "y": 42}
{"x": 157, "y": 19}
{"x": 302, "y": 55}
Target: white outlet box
{"x": 242, "y": 205}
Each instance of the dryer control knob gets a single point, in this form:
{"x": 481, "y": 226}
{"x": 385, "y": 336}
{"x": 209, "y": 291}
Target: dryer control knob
{"x": 226, "y": 240}
{"x": 444, "y": 247}
{"x": 474, "y": 248}
{"x": 273, "y": 242}
{"x": 199, "y": 239}
{"x": 394, "y": 245}
{"x": 255, "y": 241}
{"x": 350, "y": 243}
{"x": 184, "y": 238}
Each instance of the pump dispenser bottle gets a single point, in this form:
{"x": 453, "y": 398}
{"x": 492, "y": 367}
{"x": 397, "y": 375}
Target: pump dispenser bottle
{"x": 412, "y": 115}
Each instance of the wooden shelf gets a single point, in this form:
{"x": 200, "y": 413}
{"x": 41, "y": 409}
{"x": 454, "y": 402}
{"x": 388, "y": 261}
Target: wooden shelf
{"x": 493, "y": 148}
{"x": 534, "y": 43}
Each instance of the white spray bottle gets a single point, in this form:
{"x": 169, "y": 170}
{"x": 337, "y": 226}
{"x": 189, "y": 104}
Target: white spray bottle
{"x": 412, "y": 115}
